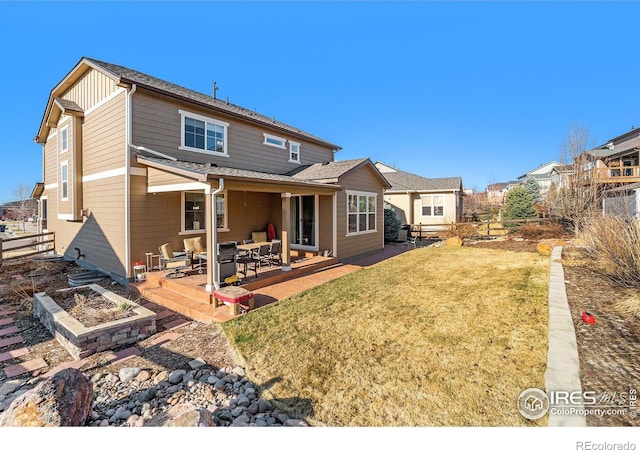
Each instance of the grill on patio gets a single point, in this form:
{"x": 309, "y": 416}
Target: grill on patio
{"x": 226, "y": 260}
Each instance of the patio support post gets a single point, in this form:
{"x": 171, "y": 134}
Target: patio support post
{"x": 212, "y": 236}
{"x": 209, "y": 238}
{"x": 286, "y": 223}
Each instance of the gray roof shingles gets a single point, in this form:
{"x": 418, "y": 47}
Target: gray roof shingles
{"x": 139, "y": 78}
{"x": 214, "y": 171}
{"x": 324, "y": 171}
{"x": 405, "y": 181}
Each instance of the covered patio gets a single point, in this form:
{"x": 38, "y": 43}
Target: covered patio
{"x": 239, "y": 202}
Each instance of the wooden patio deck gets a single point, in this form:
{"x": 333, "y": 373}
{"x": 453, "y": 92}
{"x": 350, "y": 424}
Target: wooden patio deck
{"x": 187, "y": 295}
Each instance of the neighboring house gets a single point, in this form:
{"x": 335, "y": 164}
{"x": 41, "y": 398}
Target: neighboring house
{"x": 542, "y": 175}
{"x": 614, "y": 168}
{"x": 419, "y": 200}
{"x": 132, "y": 162}
{"x": 496, "y": 192}
{"x": 20, "y": 209}
{"x": 560, "y": 175}
{"x": 617, "y": 161}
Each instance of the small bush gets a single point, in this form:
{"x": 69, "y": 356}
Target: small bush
{"x": 461, "y": 230}
{"x": 612, "y": 243}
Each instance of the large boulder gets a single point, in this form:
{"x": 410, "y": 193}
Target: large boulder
{"x": 64, "y": 400}
{"x": 453, "y": 242}
{"x": 183, "y": 415}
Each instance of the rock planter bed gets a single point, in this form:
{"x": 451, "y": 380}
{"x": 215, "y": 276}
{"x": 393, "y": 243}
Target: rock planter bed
{"x": 80, "y": 340}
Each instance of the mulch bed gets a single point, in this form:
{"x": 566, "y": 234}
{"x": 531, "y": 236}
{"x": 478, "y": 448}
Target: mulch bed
{"x": 609, "y": 350}
{"x": 88, "y": 307}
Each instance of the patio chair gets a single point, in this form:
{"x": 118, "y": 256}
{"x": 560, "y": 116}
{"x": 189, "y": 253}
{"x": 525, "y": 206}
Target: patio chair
{"x": 172, "y": 260}
{"x": 246, "y": 260}
{"x": 402, "y": 237}
{"x": 262, "y": 255}
{"x": 193, "y": 247}
{"x": 259, "y": 236}
{"x": 274, "y": 252}
{"x": 411, "y": 240}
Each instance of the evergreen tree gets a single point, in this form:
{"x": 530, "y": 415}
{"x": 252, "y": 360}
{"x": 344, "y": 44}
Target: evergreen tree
{"x": 519, "y": 204}
{"x": 391, "y": 223}
{"x": 531, "y": 185}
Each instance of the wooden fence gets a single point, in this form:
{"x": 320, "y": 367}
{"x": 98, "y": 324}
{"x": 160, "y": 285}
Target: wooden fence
{"x": 484, "y": 228}
{"x": 27, "y": 245}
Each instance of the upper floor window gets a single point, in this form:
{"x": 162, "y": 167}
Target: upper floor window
{"x": 294, "y": 152}
{"x": 203, "y": 134}
{"x": 64, "y": 140}
{"x": 64, "y": 180}
{"x": 432, "y": 205}
{"x": 361, "y": 212}
{"x": 275, "y": 141}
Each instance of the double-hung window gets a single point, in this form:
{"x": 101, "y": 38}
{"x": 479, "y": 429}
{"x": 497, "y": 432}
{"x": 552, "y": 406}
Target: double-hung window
{"x": 203, "y": 134}
{"x": 432, "y": 205}
{"x": 64, "y": 140}
{"x": 294, "y": 152}
{"x": 64, "y": 180}
{"x": 361, "y": 212}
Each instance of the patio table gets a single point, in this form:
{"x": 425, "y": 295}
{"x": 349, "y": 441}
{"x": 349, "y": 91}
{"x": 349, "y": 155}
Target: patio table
{"x": 251, "y": 247}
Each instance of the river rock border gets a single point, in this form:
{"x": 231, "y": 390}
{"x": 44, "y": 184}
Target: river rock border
{"x": 81, "y": 341}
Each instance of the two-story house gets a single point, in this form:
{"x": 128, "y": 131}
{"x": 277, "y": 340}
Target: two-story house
{"x": 614, "y": 169}
{"x": 542, "y": 174}
{"x": 132, "y": 162}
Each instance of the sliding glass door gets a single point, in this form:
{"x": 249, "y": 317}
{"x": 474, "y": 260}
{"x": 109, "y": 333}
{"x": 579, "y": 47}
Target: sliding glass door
{"x": 303, "y": 221}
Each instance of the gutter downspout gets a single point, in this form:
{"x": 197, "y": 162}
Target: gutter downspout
{"x": 212, "y": 252}
{"x": 127, "y": 181}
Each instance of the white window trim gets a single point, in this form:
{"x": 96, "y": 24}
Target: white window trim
{"x": 291, "y": 152}
{"x": 205, "y": 119}
{"x": 273, "y": 136}
{"x": 203, "y": 230}
{"x": 64, "y": 164}
{"x": 62, "y": 132}
{"x": 431, "y": 196}
{"x": 43, "y": 199}
{"x": 367, "y": 194}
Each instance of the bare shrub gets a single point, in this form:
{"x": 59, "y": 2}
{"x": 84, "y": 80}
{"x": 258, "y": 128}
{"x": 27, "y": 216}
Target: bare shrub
{"x": 461, "y": 230}
{"x": 629, "y": 306}
{"x": 551, "y": 230}
{"x": 612, "y": 243}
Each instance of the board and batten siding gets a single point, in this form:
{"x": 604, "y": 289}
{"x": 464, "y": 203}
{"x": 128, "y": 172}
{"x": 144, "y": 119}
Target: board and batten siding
{"x": 365, "y": 180}
{"x": 157, "y": 125}
{"x": 90, "y": 89}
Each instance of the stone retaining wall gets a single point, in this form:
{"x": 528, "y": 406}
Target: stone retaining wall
{"x": 81, "y": 341}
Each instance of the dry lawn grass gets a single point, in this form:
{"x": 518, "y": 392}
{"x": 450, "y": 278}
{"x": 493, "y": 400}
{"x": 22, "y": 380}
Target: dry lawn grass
{"x": 432, "y": 337}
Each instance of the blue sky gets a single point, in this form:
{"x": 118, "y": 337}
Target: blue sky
{"x": 481, "y": 90}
